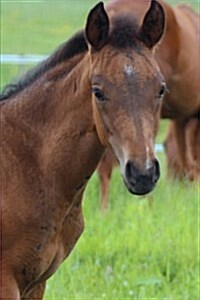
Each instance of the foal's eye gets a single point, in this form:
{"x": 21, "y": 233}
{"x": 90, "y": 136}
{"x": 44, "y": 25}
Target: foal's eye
{"x": 162, "y": 90}
{"x": 98, "y": 94}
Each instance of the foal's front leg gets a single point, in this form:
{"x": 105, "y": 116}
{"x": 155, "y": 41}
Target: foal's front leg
{"x": 36, "y": 293}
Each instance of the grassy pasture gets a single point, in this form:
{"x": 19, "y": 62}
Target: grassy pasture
{"x": 136, "y": 250}
{"x": 39, "y": 26}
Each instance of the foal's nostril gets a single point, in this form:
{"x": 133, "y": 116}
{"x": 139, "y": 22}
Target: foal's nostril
{"x": 156, "y": 171}
{"x": 131, "y": 172}
{"x": 128, "y": 169}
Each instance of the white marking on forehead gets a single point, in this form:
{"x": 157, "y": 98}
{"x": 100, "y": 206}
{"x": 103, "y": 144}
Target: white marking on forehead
{"x": 128, "y": 70}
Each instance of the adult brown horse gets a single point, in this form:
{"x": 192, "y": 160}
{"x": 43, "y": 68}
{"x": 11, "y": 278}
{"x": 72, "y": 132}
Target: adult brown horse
{"x": 178, "y": 57}
{"x": 101, "y": 89}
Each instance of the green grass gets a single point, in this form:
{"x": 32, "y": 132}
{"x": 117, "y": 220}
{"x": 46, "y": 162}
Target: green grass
{"x": 136, "y": 250}
{"x": 39, "y": 26}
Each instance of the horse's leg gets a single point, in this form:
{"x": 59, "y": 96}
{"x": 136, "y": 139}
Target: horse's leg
{"x": 171, "y": 151}
{"x": 192, "y": 144}
{"x": 179, "y": 129}
{"x": 36, "y": 293}
{"x": 105, "y": 171}
{"x": 104, "y": 186}
{"x": 8, "y": 287}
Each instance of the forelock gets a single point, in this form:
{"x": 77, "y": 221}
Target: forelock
{"x": 123, "y": 32}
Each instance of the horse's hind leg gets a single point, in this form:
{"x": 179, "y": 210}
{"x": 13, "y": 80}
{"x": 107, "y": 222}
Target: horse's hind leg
{"x": 105, "y": 171}
{"x": 179, "y": 130}
{"x": 104, "y": 186}
{"x": 192, "y": 137}
{"x": 36, "y": 293}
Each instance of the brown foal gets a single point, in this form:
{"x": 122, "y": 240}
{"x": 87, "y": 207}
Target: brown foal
{"x": 101, "y": 89}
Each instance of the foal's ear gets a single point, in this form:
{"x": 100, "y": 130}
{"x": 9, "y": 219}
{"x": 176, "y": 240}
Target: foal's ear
{"x": 153, "y": 25}
{"x": 97, "y": 27}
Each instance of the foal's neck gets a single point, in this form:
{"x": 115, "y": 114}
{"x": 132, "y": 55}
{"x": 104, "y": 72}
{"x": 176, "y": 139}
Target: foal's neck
{"x": 72, "y": 148}
{"x": 56, "y": 113}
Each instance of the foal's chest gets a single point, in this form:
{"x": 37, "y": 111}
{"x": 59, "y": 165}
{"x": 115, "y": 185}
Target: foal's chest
{"x": 52, "y": 244}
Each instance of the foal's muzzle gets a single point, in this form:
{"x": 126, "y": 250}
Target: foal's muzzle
{"x": 141, "y": 183}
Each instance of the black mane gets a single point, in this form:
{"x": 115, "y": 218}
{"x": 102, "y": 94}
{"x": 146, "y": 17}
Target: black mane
{"x": 76, "y": 45}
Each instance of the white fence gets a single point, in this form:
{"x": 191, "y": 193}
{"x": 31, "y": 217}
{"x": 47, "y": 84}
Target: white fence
{"x": 21, "y": 59}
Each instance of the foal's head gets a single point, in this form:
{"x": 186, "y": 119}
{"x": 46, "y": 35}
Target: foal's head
{"x": 127, "y": 89}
